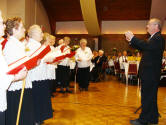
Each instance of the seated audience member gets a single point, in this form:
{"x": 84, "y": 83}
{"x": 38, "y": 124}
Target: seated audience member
{"x": 94, "y": 70}
{"x": 123, "y": 59}
{"x": 100, "y": 64}
{"x": 111, "y": 65}
{"x": 118, "y": 57}
{"x": 164, "y": 60}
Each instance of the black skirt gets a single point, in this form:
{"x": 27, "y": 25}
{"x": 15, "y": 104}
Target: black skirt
{"x": 83, "y": 77}
{"x": 52, "y": 84}
{"x": 63, "y": 75}
{"x": 2, "y": 118}
{"x": 27, "y": 110}
{"x": 42, "y": 100}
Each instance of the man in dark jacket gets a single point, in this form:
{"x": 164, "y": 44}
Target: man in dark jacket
{"x": 101, "y": 59}
{"x": 149, "y": 71}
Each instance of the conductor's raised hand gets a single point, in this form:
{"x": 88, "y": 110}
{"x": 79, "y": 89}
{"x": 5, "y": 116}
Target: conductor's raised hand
{"x": 129, "y": 35}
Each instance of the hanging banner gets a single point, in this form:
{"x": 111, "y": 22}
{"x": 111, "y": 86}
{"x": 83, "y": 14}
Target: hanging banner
{"x": 88, "y": 8}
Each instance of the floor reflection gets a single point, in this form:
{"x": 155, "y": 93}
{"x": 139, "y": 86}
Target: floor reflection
{"x": 106, "y": 103}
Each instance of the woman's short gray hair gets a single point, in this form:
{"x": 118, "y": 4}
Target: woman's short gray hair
{"x": 60, "y": 41}
{"x": 33, "y": 29}
{"x": 83, "y": 41}
{"x": 101, "y": 51}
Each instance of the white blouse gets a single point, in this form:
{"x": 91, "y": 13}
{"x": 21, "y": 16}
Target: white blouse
{"x": 72, "y": 64}
{"x": 66, "y": 61}
{"x": 85, "y": 55}
{"x": 39, "y": 72}
{"x": 122, "y": 61}
{"x": 5, "y": 82}
{"x": 50, "y": 67}
{"x": 32, "y": 46}
{"x": 111, "y": 62}
{"x": 14, "y": 50}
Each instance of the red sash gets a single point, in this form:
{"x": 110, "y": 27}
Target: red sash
{"x": 3, "y": 43}
{"x": 28, "y": 61}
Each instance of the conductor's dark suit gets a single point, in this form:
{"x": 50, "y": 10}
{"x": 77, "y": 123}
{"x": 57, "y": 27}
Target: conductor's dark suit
{"x": 149, "y": 73}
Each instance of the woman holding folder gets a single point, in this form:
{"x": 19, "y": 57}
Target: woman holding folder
{"x": 13, "y": 51}
{"x": 7, "y": 79}
{"x": 50, "y": 40}
{"x": 38, "y": 76}
{"x": 83, "y": 57}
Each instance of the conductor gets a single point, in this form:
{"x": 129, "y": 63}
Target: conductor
{"x": 149, "y": 71}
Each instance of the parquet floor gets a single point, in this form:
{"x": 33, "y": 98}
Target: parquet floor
{"x": 106, "y": 103}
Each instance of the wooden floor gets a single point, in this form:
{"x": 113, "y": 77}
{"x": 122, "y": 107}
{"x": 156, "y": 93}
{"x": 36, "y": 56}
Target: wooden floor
{"x": 106, "y": 103}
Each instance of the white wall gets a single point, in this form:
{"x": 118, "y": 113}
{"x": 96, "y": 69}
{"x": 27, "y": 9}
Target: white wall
{"x": 108, "y": 27}
{"x": 41, "y": 17}
{"x": 31, "y": 12}
{"x": 16, "y": 8}
{"x": 36, "y": 14}
{"x": 71, "y": 27}
{"x": 12, "y": 8}
{"x": 120, "y": 27}
{"x": 3, "y": 7}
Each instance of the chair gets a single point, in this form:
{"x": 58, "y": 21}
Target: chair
{"x": 132, "y": 71}
{"x": 102, "y": 71}
{"x": 123, "y": 76}
{"x": 117, "y": 68}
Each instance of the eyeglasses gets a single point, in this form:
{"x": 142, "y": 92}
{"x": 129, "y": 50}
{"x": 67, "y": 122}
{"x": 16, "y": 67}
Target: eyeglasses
{"x": 152, "y": 24}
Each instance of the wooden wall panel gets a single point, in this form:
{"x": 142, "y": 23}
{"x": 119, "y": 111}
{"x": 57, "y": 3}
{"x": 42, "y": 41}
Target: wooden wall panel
{"x": 118, "y": 41}
{"x": 75, "y": 38}
{"x": 123, "y": 10}
{"x": 106, "y": 42}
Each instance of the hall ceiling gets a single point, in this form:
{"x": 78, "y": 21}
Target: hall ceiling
{"x": 70, "y": 10}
